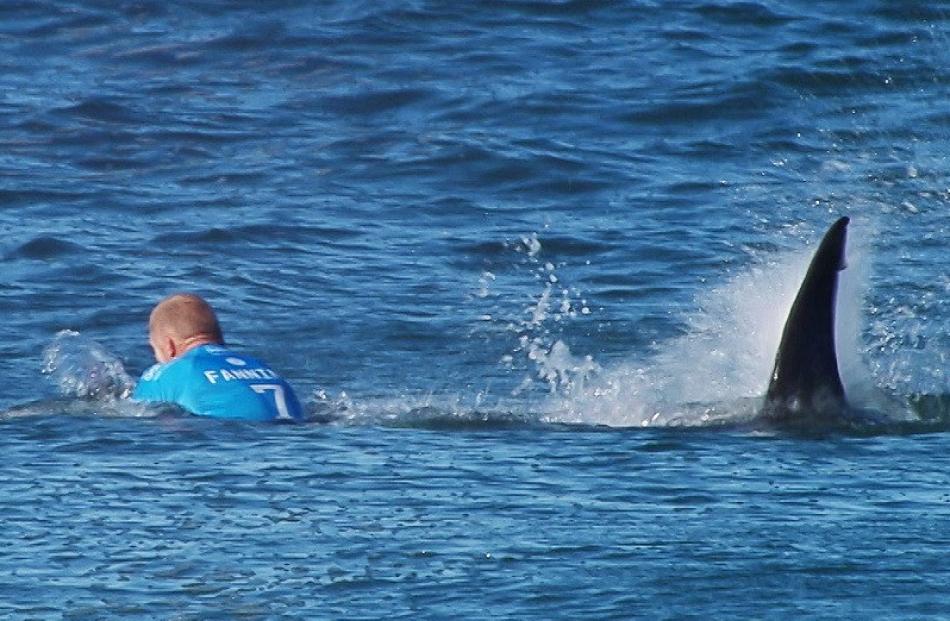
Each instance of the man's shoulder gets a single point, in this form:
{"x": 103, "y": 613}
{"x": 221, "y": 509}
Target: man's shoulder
{"x": 159, "y": 381}
{"x": 162, "y": 371}
{"x": 153, "y": 372}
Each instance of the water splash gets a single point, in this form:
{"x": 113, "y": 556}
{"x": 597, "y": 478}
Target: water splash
{"x": 542, "y": 357}
{"x": 81, "y": 367}
{"x": 910, "y": 339}
{"x": 714, "y": 374}
{"x": 718, "y": 369}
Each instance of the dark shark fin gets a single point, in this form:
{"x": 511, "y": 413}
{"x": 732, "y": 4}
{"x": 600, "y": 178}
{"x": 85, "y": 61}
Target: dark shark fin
{"x": 805, "y": 381}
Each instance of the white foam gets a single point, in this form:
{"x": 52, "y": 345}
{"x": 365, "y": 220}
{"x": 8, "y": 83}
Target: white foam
{"x": 726, "y": 354}
{"x": 81, "y": 367}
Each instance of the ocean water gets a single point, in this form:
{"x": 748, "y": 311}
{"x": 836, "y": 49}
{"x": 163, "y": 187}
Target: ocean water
{"x": 526, "y": 262}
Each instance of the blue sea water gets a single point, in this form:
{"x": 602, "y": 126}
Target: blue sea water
{"x": 526, "y": 262}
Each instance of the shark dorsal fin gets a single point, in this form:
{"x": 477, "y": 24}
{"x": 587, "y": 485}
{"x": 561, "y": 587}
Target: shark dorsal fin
{"x": 805, "y": 376}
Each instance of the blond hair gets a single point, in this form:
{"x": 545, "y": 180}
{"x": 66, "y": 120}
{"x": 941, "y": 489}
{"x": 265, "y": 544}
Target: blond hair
{"x": 185, "y": 316}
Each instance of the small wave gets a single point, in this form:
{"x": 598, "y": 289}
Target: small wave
{"x": 226, "y": 178}
{"x": 828, "y": 80}
{"x": 702, "y": 104}
{"x": 256, "y": 36}
{"x": 108, "y": 164}
{"x": 565, "y": 8}
{"x": 162, "y": 55}
{"x": 256, "y": 233}
{"x": 29, "y": 196}
{"x": 45, "y": 247}
{"x": 193, "y": 136}
{"x": 743, "y": 14}
{"x": 913, "y": 12}
{"x": 66, "y": 25}
{"x": 374, "y": 101}
{"x": 102, "y": 110}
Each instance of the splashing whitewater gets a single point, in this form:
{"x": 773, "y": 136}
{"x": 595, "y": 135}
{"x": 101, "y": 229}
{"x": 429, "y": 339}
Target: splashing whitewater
{"x": 81, "y": 367}
{"x": 719, "y": 369}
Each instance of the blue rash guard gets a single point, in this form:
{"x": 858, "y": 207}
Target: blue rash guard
{"x": 212, "y": 380}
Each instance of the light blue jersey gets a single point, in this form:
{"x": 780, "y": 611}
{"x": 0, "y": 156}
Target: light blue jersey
{"x": 212, "y": 380}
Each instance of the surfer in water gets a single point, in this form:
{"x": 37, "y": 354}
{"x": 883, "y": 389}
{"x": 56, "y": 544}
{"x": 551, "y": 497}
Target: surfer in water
{"x": 196, "y": 371}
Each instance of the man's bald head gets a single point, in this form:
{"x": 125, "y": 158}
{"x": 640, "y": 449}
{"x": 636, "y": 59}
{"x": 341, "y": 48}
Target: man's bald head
{"x": 180, "y": 322}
